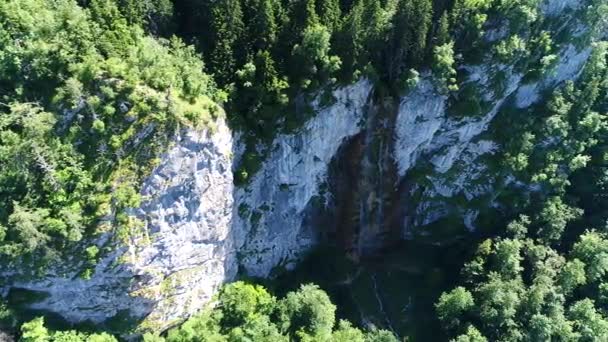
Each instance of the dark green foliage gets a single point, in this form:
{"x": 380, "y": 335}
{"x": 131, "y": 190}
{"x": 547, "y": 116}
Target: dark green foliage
{"x": 154, "y": 15}
{"x": 546, "y": 279}
{"x": 81, "y": 91}
{"x": 248, "y": 313}
{"x": 35, "y": 331}
{"x": 7, "y": 319}
{"x": 409, "y": 35}
{"x": 330, "y": 13}
{"x": 442, "y": 33}
{"x": 467, "y": 20}
{"x": 467, "y": 101}
{"x": 226, "y": 44}
{"x": 267, "y": 53}
{"x": 349, "y": 42}
{"x": 262, "y": 25}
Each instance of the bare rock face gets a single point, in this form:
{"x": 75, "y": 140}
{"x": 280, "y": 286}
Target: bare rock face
{"x": 188, "y": 222}
{"x": 196, "y": 229}
{"x": 5, "y": 337}
{"x": 272, "y": 209}
{"x": 184, "y": 252}
{"x": 453, "y": 146}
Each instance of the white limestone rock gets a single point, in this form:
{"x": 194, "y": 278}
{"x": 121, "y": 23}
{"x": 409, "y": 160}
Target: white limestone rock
{"x": 273, "y": 205}
{"x": 553, "y": 8}
{"x": 569, "y": 67}
{"x": 421, "y": 115}
{"x": 185, "y": 250}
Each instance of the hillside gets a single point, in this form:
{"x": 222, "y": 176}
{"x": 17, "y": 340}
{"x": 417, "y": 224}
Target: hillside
{"x": 184, "y": 170}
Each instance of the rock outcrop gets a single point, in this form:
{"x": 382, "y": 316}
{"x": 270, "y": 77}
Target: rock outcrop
{"x": 198, "y": 230}
{"x": 184, "y": 253}
{"x": 273, "y": 208}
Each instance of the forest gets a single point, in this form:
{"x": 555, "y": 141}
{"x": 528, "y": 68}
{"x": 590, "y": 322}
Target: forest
{"x": 92, "y": 92}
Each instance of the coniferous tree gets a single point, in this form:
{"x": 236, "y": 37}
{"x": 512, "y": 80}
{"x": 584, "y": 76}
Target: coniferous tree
{"x": 299, "y": 15}
{"x": 154, "y": 15}
{"x": 420, "y": 25}
{"x": 262, "y": 24}
{"x": 442, "y": 33}
{"x": 349, "y": 41}
{"x": 409, "y": 36}
{"x": 467, "y": 19}
{"x": 329, "y": 13}
{"x": 310, "y": 13}
{"x": 227, "y": 26}
{"x": 374, "y": 35}
{"x": 302, "y": 14}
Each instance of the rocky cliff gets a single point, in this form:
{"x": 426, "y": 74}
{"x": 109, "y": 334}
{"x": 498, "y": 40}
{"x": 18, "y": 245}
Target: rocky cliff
{"x": 346, "y": 176}
{"x": 185, "y": 252}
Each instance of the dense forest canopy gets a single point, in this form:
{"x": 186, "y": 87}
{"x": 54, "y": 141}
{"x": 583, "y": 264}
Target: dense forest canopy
{"x": 91, "y": 93}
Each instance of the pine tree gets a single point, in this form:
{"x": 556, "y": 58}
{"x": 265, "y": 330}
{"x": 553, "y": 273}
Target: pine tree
{"x": 329, "y": 13}
{"x": 262, "y": 27}
{"x": 347, "y": 5}
{"x": 227, "y": 26}
{"x": 375, "y": 31}
{"x": 442, "y": 33}
{"x": 467, "y": 19}
{"x": 300, "y": 14}
{"x": 420, "y": 26}
{"x": 349, "y": 44}
{"x": 310, "y": 14}
{"x": 411, "y": 26}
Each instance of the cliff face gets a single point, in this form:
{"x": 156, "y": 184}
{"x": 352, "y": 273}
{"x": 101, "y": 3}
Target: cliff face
{"x": 452, "y": 146}
{"x": 347, "y": 174}
{"x": 276, "y": 209}
{"x": 185, "y": 251}
{"x": 198, "y": 228}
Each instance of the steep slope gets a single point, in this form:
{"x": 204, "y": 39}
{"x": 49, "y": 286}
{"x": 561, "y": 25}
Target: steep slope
{"x": 411, "y": 158}
{"x": 185, "y": 251}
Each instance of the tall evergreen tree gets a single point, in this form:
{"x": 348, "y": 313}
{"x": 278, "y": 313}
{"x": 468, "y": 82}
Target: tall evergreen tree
{"x": 349, "y": 41}
{"x": 310, "y": 13}
{"x": 227, "y": 26}
{"x": 375, "y": 28}
{"x": 442, "y": 33}
{"x": 154, "y": 15}
{"x": 411, "y": 26}
{"x": 467, "y": 19}
{"x": 420, "y": 25}
{"x": 262, "y": 26}
{"x": 329, "y": 13}
{"x": 300, "y": 14}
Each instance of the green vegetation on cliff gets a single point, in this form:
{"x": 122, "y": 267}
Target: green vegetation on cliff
{"x": 93, "y": 91}
{"x": 87, "y": 103}
{"x": 543, "y": 277}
